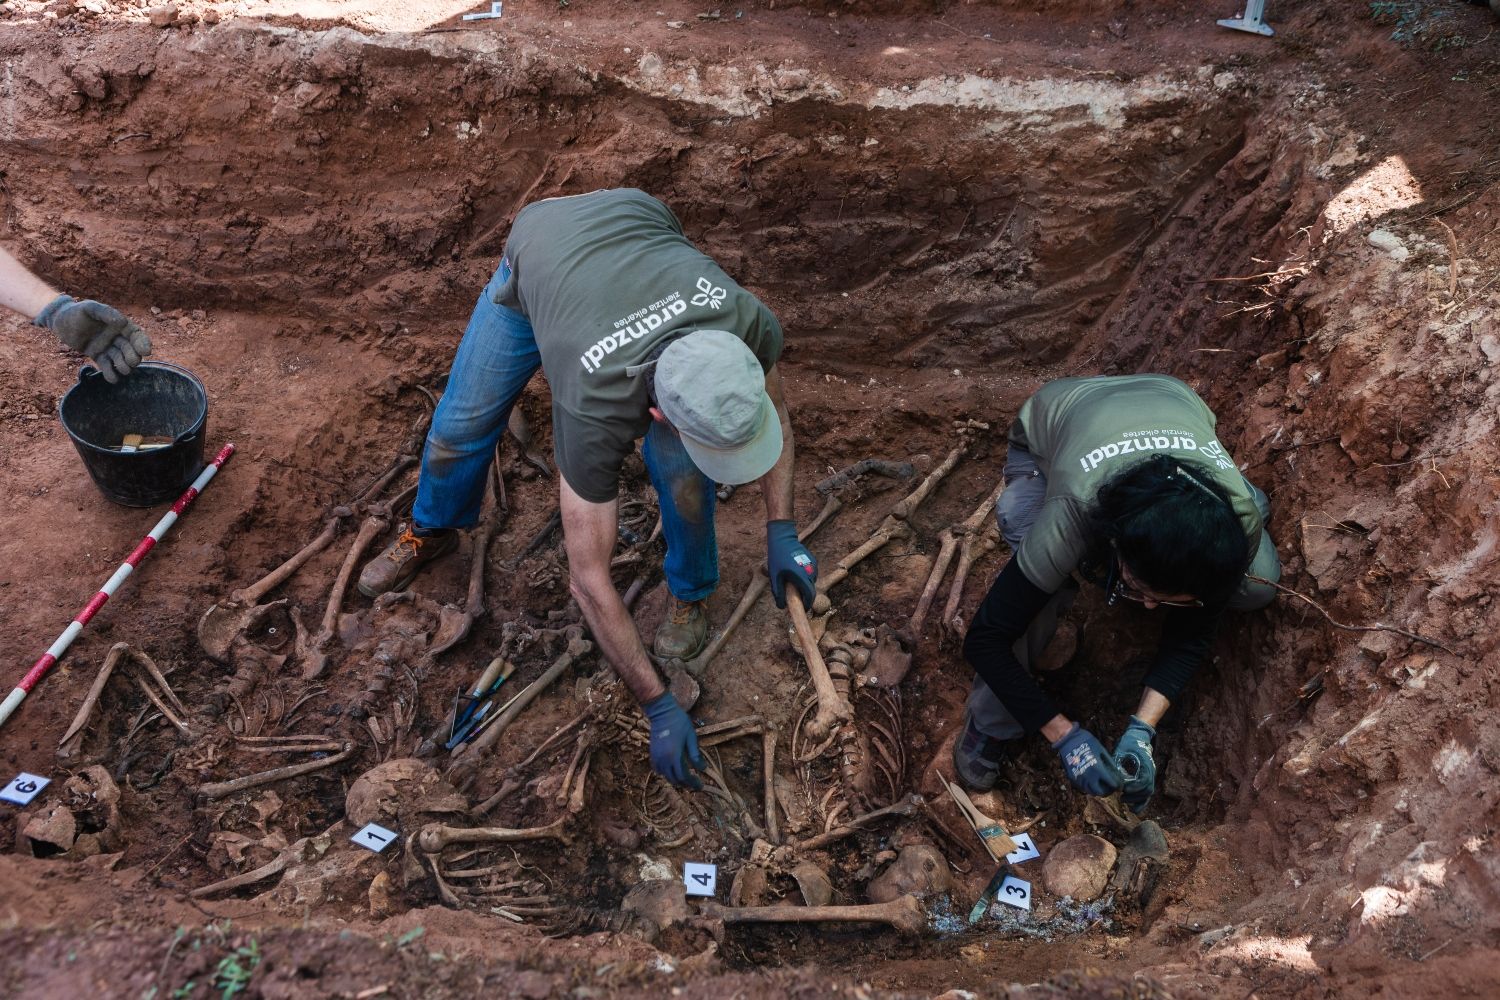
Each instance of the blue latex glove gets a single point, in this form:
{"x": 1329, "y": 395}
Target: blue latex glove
{"x": 1088, "y": 767}
{"x": 111, "y": 341}
{"x": 787, "y": 560}
{"x": 674, "y": 744}
{"x": 1133, "y": 753}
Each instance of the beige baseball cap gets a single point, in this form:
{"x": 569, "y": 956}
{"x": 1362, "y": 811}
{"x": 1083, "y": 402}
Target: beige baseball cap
{"x": 711, "y": 389}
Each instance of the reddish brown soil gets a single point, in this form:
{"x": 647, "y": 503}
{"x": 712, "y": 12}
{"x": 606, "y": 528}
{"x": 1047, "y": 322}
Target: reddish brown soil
{"x": 311, "y": 195}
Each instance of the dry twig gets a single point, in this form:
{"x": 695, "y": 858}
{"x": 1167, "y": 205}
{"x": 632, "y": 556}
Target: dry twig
{"x": 1376, "y": 627}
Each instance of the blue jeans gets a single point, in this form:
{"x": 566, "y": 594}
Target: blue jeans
{"x": 496, "y": 358}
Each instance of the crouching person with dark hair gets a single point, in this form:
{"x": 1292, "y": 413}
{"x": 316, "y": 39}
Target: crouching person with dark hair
{"x": 1122, "y": 482}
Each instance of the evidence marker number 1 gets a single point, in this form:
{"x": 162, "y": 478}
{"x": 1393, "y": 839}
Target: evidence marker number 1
{"x": 374, "y": 837}
{"x": 23, "y": 788}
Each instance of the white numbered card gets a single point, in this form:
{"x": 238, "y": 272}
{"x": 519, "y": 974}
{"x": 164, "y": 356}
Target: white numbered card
{"x": 1015, "y": 892}
{"x": 1025, "y": 849}
{"x": 374, "y": 837}
{"x": 23, "y": 788}
{"x": 700, "y": 879}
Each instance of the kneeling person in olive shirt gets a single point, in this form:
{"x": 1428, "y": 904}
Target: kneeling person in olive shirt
{"x": 1123, "y": 481}
{"x": 640, "y": 335}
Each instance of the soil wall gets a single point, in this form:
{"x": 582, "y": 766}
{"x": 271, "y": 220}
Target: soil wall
{"x": 1132, "y": 192}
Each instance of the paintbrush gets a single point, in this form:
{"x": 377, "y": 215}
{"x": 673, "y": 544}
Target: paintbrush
{"x": 996, "y": 840}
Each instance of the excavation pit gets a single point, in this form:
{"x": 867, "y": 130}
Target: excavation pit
{"x": 945, "y": 211}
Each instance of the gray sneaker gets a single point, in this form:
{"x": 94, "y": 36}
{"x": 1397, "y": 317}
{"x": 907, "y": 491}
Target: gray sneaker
{"x": 977, "y": 757}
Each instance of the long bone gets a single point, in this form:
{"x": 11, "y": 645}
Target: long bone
{"x": 454, "y": 625}
{"x": 905, "y": 807}
{"x": 833, "y": 707}
{"x": 895, "y": 525}
{"x": 578, "y": 647}
{"x": 260, "y": 588}
{"x": 227, "y": 619}
{"x": 384, "y": 479}
{"x": 947, "y": 549}
{"x": 753, "y": 591}
{"x": 979, "y": 528}
{"x": 868, "y": 466}
{"x": 904, "y": 914}
{"x": 975, "y": 547}
{"x": 436, "y": 836}
{"x": 722, "y": 732}
{"x": 369, "y": 529}
{"x": 163, "y": 697}
{"x": 292, "y": 852}
{"x": 219, "y": 789}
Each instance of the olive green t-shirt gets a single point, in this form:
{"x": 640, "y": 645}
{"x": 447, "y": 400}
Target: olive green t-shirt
{"x": 604, "y": 277}
{"x": 1085, "y": 430}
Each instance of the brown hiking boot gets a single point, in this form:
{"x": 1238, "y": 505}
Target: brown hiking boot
{"x": 403, "y": 559}
{"x": 684, "y": 632}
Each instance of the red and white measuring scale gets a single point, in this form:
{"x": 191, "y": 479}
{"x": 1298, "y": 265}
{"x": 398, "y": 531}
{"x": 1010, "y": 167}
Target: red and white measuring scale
{"x": 54, "y": 653}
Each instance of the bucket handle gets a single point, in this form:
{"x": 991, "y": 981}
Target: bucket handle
{"x": 86, "y": 371}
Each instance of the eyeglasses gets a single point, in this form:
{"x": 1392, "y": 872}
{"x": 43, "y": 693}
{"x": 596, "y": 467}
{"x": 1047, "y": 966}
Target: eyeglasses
{"x": 1121, "y": 589}
{"x": 1116, "y": 588}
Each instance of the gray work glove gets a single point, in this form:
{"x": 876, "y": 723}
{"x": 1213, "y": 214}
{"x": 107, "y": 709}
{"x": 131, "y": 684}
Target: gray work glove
{"x": 113, "y": 343}
{"x": 1133, "y": 754}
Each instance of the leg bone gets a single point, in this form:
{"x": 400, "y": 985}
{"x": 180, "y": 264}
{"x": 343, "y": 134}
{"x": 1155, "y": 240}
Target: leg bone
{"x": 904, "y": 914}
{"x": 832, "y": 706}
{"x": 435, "y": 836}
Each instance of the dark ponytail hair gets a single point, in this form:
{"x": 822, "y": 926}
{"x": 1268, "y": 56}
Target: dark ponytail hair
{"x": 1173, "y": 526}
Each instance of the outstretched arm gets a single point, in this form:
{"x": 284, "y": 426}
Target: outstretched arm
{"x": 787, "y": 559}
{"x": 20, "y": 290}
{"x": 589, "y": 532}
{"x": 111, "y": 341}
{"x": 776, "y": 485}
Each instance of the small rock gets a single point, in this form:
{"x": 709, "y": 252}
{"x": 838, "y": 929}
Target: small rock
{"x": 382, "y": 896}
{"x": 163, "y": 16}
{"x": 1384, "y": 239}
{"x": 1490, "y": 345}
{"x": 211, "y": 16}
{"x": 1079, "y": 867}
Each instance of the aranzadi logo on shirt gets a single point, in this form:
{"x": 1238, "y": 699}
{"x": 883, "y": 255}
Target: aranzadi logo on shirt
{"x": 647, "y": 319}
{"x": 1149, "y": 442}
{"x": 709, "y": 294}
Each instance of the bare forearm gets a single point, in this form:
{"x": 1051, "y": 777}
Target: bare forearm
{"x": 776, "y": 485}
{"x": 616, "y": 634}
{"x": 1153, "y": 706}
{"x": 1057, "y": 727}
{"x": 20, "y": 290}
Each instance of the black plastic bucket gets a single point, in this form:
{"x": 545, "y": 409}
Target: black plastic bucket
{"x": 157, "y": 401}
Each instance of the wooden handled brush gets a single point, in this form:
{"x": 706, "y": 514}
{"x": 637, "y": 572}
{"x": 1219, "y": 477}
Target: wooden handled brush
{"x": 991, "y": 832}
